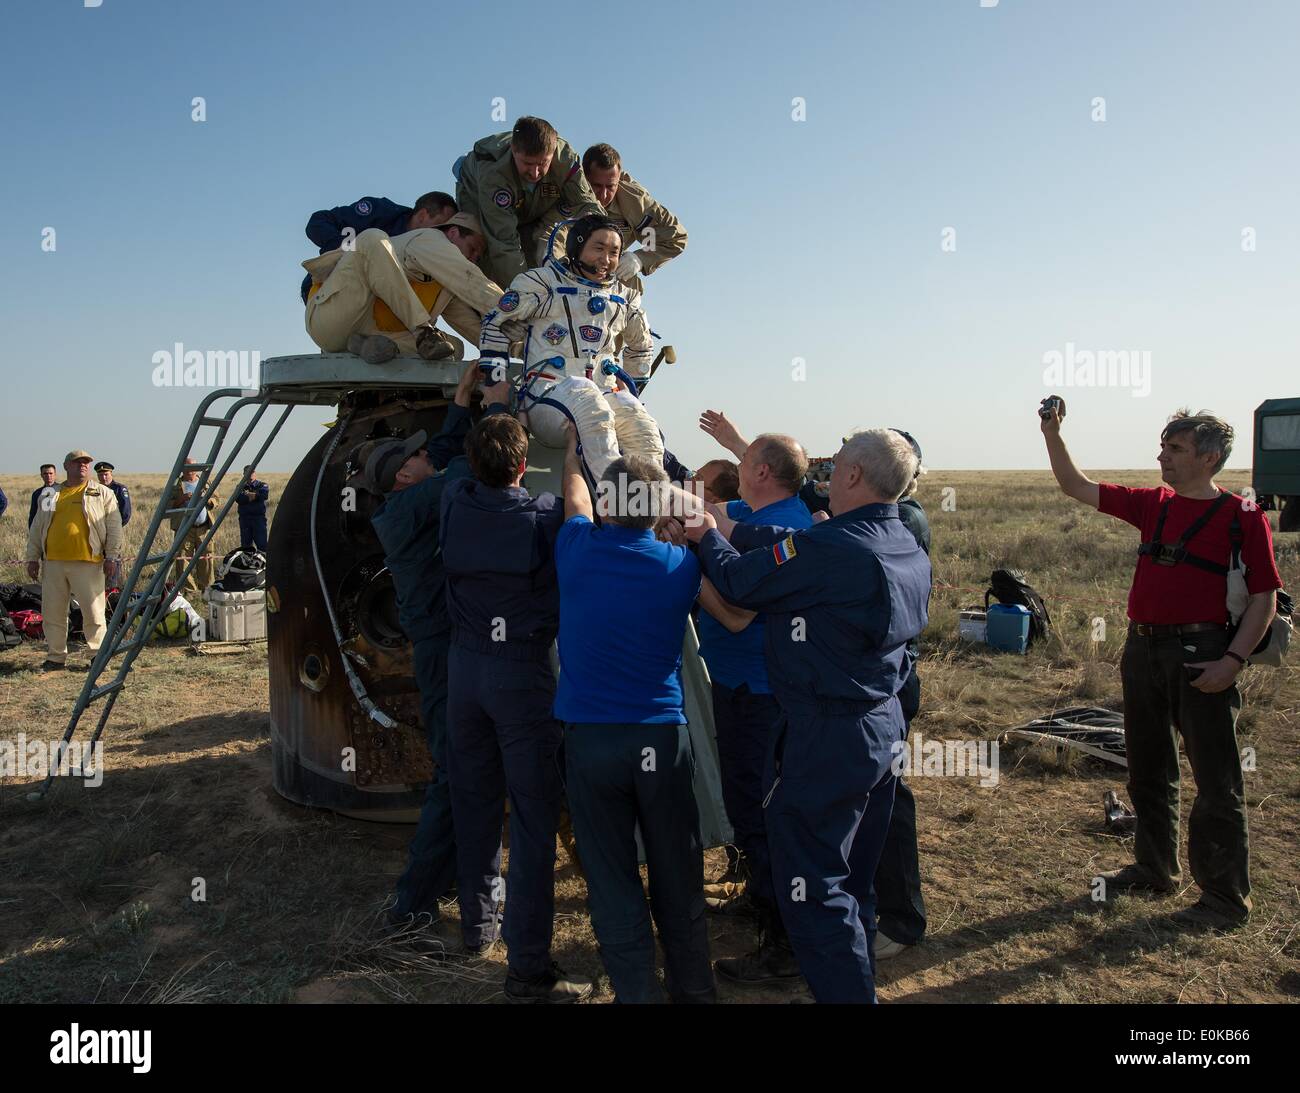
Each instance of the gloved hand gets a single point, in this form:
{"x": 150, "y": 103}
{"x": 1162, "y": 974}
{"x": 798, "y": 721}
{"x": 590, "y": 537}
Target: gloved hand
{"x": 629, "y": 265}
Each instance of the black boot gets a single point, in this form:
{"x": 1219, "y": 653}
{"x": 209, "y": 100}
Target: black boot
{"x": 773, "y": 962}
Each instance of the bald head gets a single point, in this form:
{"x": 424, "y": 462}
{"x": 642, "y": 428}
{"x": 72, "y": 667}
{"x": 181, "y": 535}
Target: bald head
{"x": 772, "y": 469}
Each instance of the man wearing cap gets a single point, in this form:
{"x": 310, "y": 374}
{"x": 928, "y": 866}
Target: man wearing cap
{"x": 252, "y": 511}
{"x": 74, "y": 542}
{"x": 637, "y": 216}
{"x": 407, "y": 474}
{"x": 383, "y": 297}
{"x": 104, "y": 469}
{"x": 49, "y": 472}
{"x": 198, "y": 578}
{"x": 510, "y": 181}
{"x": 331, "y": 229}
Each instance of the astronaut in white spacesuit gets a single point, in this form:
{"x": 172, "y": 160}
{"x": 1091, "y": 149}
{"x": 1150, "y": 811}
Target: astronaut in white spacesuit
{"x": 569, "y": 314}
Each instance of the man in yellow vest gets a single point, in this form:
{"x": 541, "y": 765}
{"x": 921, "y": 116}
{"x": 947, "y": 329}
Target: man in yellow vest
{"x": 382, "y": 297}
{"x": 76, "y": 539}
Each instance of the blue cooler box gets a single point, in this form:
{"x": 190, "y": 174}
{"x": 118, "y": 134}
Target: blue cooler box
{"x": 1008, "y": 627}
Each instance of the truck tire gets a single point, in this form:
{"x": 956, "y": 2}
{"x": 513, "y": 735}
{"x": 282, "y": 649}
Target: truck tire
{"x": 1289, "y": 519}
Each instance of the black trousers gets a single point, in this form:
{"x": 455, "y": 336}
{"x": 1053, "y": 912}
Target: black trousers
{"x": 900, "y": 906}
{"x": 1160, "y": 701}
{"x": 622, "y": 778}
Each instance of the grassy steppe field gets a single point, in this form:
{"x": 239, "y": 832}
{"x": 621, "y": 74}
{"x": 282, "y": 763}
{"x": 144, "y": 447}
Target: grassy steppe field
{"x": 97, "y": 883}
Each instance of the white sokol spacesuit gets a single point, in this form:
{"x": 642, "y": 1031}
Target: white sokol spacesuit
{"x": 569, "y": 327}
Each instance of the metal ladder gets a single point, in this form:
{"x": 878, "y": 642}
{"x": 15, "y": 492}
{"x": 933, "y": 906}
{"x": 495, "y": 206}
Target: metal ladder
{"x": 145, "y": 611}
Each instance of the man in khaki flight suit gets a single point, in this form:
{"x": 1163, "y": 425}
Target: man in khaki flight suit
{"x": 201, "y": 576}
{"x": 638, "y": 217}
{"x": 511, "y": 182}
{"x": 383, "y": 297}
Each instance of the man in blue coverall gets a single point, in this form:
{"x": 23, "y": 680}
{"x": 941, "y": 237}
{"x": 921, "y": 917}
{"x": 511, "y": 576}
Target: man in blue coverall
{"x": 899, "y": 900}
{"x": 502, "y": 739}
{"x": 49, "y": 472}
{"x": 406, "y": 474}
{"x": 104, "y": 470}
{"x": 252, "y": 511}
{"x": 842, "y": 599}
{"x": 329, "y": 228}
{"x": 745, "y": 713}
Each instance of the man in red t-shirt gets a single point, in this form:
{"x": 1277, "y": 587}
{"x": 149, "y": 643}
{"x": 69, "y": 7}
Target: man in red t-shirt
{"x": 1182, "y": 658}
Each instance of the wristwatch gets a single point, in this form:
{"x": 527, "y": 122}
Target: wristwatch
{"x": 1238, "y": 658}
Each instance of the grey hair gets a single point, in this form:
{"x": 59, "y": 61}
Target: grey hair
{"x": 632, "y": 490}
{"x": 888, "y": 463}
{"x": 1209, "y": 433}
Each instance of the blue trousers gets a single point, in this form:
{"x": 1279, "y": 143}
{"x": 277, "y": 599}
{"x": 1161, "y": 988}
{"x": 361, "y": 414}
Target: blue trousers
{"x": 826, "y": 826}
{"x": 899, "y": 902}
{"x": 252, "y": 532}
{"x": 431, "y": 860}
{"x": 621, "y": 777}
{"x": 746, "y": 725}
{"x": 503, "y": 742}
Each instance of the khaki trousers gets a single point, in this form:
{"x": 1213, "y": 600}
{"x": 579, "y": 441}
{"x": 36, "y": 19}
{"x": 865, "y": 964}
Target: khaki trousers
{"x": 60, "y": 582}
{"x": 204, "y": 569}
{"x": 344, "y": 304}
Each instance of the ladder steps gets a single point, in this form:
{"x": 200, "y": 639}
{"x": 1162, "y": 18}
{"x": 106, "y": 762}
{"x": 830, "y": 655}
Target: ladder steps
{"x": 107, "y": 688}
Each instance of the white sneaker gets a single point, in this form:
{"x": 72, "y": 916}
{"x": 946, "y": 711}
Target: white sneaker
{"x": 886, "y": 947}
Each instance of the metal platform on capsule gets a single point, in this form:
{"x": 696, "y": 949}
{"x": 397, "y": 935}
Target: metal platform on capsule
{"x": 322, "y": 379}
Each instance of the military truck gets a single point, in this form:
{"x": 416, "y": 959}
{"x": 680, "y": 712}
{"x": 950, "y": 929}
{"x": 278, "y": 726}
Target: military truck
{"x": 1275, "y": 475}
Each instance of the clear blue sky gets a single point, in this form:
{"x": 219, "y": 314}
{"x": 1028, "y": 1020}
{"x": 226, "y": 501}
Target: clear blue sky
{"x": 817, "y": 239}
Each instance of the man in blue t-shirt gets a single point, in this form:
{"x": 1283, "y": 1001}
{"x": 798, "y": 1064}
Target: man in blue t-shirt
{"x": 624, "y": 601}
{"x": 745, "y": 714}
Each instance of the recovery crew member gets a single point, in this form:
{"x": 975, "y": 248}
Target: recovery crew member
{"x": 510, "y": 181}
{"x": 745, "y": 713}
{"x": 252, "y": 511}
{"x": 383, "y": 297}
{"x": 503, "y": 740}
{"x": 405, "y": 474}
{"x": 843, "y": 599}
{"x": 637, "y": 216}
{"x": 329, "y": 228}
{"x": 49, "y": 472}
{"x": 198, "y": 578}
{"x": 104, "y": 469}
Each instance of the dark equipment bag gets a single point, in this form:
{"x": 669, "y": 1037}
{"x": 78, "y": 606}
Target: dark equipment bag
{"x": 241, "y": 571}
{"x": 1010, "y": 587}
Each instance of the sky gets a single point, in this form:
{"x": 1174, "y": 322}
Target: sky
{"x": 900, "y": 213}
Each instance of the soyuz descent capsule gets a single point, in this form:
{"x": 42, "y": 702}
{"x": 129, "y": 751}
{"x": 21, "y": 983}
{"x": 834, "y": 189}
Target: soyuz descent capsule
{"x": 345, "y": 707}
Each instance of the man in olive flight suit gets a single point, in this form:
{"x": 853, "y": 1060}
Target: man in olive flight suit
{"x": 637, "y": 216}
{"x": 510, "y": 182}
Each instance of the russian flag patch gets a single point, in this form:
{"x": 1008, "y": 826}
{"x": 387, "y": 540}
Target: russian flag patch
{"x": 784, "y": 550}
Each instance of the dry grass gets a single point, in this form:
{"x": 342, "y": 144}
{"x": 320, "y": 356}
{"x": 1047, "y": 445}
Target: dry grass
{"x": 96, "y": 897}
